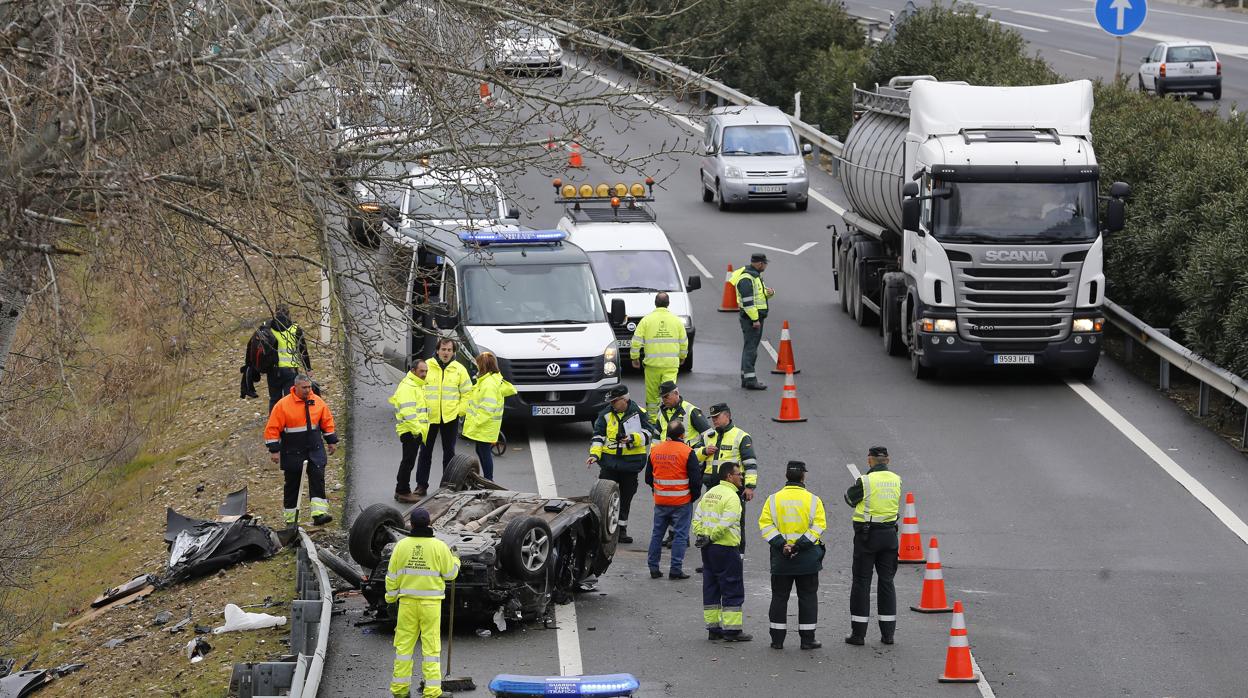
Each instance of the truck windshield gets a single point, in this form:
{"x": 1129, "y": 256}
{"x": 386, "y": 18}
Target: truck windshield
{"x": 1016, "y": 212}
{"x": 624, "y": 271}
{"x": 528, "y": 294}
{"x": 759, "y": 140}
{"x": 452, "y": 201}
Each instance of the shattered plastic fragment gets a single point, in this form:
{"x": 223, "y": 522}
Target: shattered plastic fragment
{"x": 238, "y": 619}
{"x": 196, "y": 649}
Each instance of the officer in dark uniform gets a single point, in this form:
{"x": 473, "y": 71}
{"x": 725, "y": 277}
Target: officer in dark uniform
{"x": 876, "y": 498}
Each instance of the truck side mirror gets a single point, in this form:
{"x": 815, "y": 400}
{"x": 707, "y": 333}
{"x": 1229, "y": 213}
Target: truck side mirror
{"x": 513, "y": 212}
{"x": 694, "y": 283}
{"x": 910, "y": 190}
{"x": 1120, "y": 190}
{"x": 910, "y": 209}
{"x": 1115, "y": 215}
{"x": 617, "y": 316}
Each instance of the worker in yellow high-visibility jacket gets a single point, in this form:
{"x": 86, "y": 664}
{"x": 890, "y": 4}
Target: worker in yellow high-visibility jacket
{"x": 662, "y": 337}
{"x": 416, "y": 578}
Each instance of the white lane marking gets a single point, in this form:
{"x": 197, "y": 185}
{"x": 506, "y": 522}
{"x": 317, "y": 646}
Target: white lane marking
{"x": 567, "y": 633}
{"x": 699, "y": 265}
{"x": 796, "y": 252}
{"x": 1076, "y": 53}
{"x": 853, "y": 470}
{"x": 829, "y": 203}
{"x": 1224, "y": 49}
{"x": 770, "y": 350}
{"x": 985, "y": 689}
{"x": 1019, "y": 26}
{"x": 1173, "y": 469}
{"x": 626, "y": 91}
{"x": 1155, "y": 11}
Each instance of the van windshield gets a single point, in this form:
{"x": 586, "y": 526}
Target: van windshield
{"x": 624, "y": 271}
{"x": 529, "y": 294}
{"x": 1016, "y": 212}
{"x": 451, "y": 201}
{"x": 759, "y": 140}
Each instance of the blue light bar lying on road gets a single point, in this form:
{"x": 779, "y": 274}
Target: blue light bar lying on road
{"x": 517, "y": 686}
{"x": 512, "y": 237}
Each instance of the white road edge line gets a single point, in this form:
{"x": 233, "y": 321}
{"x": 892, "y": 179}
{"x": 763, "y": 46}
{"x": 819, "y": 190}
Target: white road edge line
{"x": 567, "y": 632}
{"x": 1202, "y": 494}
{"x": 1081, "y": 55}
{"x": 699, "y": 265}
{"x": 770, "y": 350}
{"x": 853, "y": 470}
{"x": 985, "y": 688}
{"x": 625, "y": 91}
{"x": 1019, "y": 26}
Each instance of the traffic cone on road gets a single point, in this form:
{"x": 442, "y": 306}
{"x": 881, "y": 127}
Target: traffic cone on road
{"x": 933, "y": 598}
{"x": 784, "y": 358}
{"x": 484, "y": 91}
{"x": 729, "y": 303}
{"x": 574, "y": 159}
{"x": 910, "y": 547}
{"x": 789, "y": 409}
{"x": 958, "y": 668}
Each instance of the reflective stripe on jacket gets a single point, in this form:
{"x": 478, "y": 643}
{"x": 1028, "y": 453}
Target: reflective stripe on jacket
{"x": 718, "y": 515}
{"x": 615, "y": 449}
{"x": 483, "y": 408}
{"x": 695, "y": 422}
{"x": 669, "y": 462}
{"x": 753, "y": 301}
{"x": 411, "y": 413}
{"x": 662, "y": 335}
{"x": 444, "y": 389}
{"x": 419, "y": 569}
{"x": 288, "y": 429}
{"x": 734, "y": 446}
{"x": 881, "y": 497}
{"x": 287, "y": 346}
{"x": 792, "y": 513}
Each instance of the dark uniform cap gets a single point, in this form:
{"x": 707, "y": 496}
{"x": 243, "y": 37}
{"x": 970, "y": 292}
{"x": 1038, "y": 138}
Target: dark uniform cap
{"x": 796, "y": 465}
{"x": 718, "y": 408}
{"x": 878, "y": 451}
{"x": 617, "y": 392}
{"x": 758, "y": 257}
{"x": 666, "y": 388}
{"x": 420, "y": 517}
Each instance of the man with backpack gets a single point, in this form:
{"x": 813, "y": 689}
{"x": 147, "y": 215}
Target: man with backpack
{"x": 279, "y": 351}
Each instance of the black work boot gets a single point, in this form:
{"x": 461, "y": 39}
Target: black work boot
{"x": 737, "y": 636}
{"x": 624, "y": 537}
{"x": 808, "y": 640}
{"x": 777, "y": 639}
{"x": 887, "y": 628}
{"x": 714, "y": 635}
{"x": 858, "y": 634}
{"x": 753, "y": 384}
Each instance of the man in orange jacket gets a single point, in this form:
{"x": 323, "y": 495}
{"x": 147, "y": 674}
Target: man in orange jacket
{"x": 674, "y": 474}
{"x": 301, "y": 430}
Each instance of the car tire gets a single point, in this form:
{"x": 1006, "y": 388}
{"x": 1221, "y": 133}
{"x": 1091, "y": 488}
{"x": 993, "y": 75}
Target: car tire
{"x": 341, "y": 567}
{"x": 461, "y": 473}
{"x": 719, "y": 198}
{"x": 802, "y": 205}
{"x": 1216, "y": 93}
{"x": 370, "y": 534}
{"x": 526, "y": 548}
{"x": 605, "y": 496}
{"x": 707, "y": 195}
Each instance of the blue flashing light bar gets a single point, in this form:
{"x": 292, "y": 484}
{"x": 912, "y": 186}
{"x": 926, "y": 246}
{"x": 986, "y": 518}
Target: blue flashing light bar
{"x": 518, "y": 686}
{"x": 512, "y": 237}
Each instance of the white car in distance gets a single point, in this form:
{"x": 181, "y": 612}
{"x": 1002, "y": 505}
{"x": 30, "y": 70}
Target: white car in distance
{"x": 520, "y": 47}
{"x": 1181, "y": 67}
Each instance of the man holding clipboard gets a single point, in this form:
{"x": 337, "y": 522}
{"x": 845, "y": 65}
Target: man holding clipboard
{"x": 621, "y": 435}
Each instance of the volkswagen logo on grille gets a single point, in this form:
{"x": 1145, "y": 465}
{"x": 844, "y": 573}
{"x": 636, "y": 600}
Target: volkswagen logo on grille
{"x": 632, "y": 326}
{"x": 552, "y": 370}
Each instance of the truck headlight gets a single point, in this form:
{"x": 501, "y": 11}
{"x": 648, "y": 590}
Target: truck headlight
{"x": 799, "y": 171}
{"x": 732, "y": 172}
{"x": 609, "y": 356}
{"x": 939, "y": 325}
{"x": 1087, "y": 324}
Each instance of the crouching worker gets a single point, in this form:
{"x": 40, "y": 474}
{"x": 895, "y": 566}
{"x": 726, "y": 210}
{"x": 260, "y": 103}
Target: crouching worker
{"x": 419, "y": 568}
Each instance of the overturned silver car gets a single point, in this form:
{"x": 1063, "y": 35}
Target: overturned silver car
{"x": 518, "y": 551}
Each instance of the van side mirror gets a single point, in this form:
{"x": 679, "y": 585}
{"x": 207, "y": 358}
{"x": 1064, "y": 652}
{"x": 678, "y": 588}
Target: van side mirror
{"x": 806, "y": 149}
{"x": 694, "y": 283}
{"x": 617, "y": 315}
{"x": 910, "y": 209}
{"x": 709, "y": 150}
{"x": 513, "y": 212}
{"x": 1147, "y": 59}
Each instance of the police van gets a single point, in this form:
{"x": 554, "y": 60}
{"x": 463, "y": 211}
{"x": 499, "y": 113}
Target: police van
{"x": 528, "y": 296}
{"x": 631, "y": 254}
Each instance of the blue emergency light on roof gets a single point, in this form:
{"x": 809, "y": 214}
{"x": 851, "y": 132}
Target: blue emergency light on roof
{"x": 512, "y": 237}
{"x": 516, "y": 686}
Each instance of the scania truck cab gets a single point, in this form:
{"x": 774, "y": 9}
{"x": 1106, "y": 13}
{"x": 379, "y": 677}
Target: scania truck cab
{"x": 974, "y": 234}
{"x": 528, "y": 296}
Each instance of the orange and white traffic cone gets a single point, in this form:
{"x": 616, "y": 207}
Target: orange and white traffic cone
{"x": 789, "y": 409}
{"x": 729, "y": 303}
{"x": 958, "y": 667}
{"x": 910, "y": 547}
{"x": 784, "y": 357}
{"x": 933, "y": 598}
{"x": 574, "y": 159}
{"x": 484, "y": 91}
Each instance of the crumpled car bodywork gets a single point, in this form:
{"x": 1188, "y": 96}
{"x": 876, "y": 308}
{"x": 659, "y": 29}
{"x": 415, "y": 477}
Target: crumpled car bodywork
{"x": 198, "y": 547}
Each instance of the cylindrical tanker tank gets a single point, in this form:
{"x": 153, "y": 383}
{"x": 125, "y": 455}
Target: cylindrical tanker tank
{"x": 871, "y": 167}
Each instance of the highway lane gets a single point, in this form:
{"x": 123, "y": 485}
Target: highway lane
{"x": 1086, "y": 569}
{"x": 1066, "y": 35}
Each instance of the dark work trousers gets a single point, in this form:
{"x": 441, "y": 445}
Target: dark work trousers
{"x": 485, "y": 454}
{"x": 628, "y": 488}
{"x": 875, "y": 549}
{"x": 292, "y": 479}
{"x": 749, "y": 350}
{"x": 280, "y": 382}
{"x": 807, "y": 604}
{"x": 723, "y": 588}
{"x": 448, "y": 431}
{"x": 411, "y": 447}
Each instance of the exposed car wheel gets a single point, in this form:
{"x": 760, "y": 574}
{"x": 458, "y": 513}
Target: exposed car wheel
{"x": 370, "y": 534}
{"x": 802, "y": 205}
{"x": 605, "y": 496}
{"x": 719, "y": 197}
{"x": 461, "y": 473}
{"x": 707, "y": 195}
{"x": 526, "y": 548}
{"x": 1216, "y": 93}
{"x": 341, "y": 567}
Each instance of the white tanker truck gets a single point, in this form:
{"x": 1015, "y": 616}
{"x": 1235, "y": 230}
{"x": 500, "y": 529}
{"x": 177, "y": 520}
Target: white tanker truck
{"x": 974, "y": 234}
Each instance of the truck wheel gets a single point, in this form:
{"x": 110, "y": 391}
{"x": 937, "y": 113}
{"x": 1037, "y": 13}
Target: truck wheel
{"x": 893, "y": 344}
{"x": 371, "y": 533}
{"x": 461, "y": 473}
{"x": 851, "y": 290}
{"x": 1216, "y": 93}
{"x": 917, "y": 368}
{"x": 525, "y": 548}
{"x": 842, "y": 280}
{"x": 707, "y": 195}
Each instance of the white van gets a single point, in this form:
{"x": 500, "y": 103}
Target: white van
{"x": 751, "y": 155}
{"x": 630, "y": 253}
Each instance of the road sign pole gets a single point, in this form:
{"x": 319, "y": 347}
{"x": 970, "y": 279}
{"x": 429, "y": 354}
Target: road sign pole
{"x": 1118, "y": 61}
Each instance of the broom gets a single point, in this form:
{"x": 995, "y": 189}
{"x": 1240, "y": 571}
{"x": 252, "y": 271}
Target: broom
{"x": 456, "y": 683}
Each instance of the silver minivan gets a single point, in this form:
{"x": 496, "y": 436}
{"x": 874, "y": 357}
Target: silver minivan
{"x": 749, "y": 155}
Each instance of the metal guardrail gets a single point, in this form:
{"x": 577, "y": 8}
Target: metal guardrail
{"x": 310, "y": 614}
{"x": 1169, "y": 352}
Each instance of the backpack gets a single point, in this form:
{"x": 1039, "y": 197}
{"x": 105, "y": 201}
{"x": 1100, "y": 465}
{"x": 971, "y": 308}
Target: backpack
{"x": 261, "y": 354}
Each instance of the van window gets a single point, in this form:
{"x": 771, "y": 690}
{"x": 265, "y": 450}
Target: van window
{"x": 527, "y": 294}
{"x": 453, "y": 201}
{"x": 759, "y": 140}
{"x": 625, "y": 271}
{"x": 1189, "y": 54}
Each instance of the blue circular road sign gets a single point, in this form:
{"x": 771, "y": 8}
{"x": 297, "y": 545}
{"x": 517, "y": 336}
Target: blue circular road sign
{"x": 1121, "y": 17}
